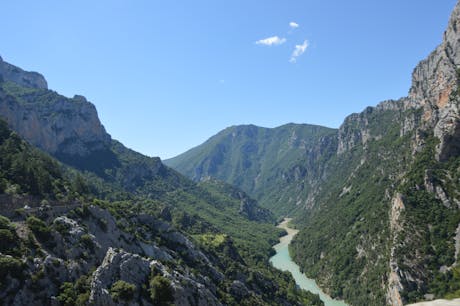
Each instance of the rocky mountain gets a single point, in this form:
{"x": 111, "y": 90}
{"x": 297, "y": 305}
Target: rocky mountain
{"x": 21, "y": 77}
{"x": 380, "y": 197}
{"x": 90, "y": 221}
{"x": 272, "y": 165}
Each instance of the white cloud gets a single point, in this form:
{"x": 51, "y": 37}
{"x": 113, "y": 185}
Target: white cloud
{"x": 298, "y": 51}
{"x": 293, "y": 25}
{"x": 271, "y": 41}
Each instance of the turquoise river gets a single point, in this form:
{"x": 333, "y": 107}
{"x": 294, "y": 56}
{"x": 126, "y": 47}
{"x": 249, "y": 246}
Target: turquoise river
{"x": 282, "y": 261}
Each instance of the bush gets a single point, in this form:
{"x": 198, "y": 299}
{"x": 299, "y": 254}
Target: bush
{"x": 87, "y": 241}
{"x": 11, "y": 266}
{"x": 75, "y": 294}
{"x": 5, "y": 223}
{"x": 122, "y": 290}
{"x": 161, "y": 291}
{"x": 7, "y": 239}
{"x": 39, "y": 228}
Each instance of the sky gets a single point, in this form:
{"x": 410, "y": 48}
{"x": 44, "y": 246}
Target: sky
{"x": 167, "y": 75}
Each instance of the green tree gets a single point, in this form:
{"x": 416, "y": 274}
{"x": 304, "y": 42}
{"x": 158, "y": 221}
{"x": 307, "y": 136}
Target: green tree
{"x": 161, "y": 291}
{"x": 122, "y": 290}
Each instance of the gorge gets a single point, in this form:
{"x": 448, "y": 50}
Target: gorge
{"x": 375, "y": 203}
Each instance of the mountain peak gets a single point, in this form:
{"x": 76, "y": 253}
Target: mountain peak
{"x": 24, "y": 78}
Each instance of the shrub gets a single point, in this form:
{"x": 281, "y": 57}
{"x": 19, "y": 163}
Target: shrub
{"x": 122, "y": 290}
{"x": 40, "y": 229}
{"x": 5, "y": 223}
{"x": 75, "y": 294}
{"x": 161, "y": 291}
{"x": 87, "y": 241}
{"x": 10, "y": 265}
{"x": 7, "y": 239}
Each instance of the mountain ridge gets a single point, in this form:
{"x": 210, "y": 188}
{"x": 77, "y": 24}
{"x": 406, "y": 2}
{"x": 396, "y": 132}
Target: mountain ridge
{"x": 127, "y": 209}
{"x": 378, "y": 208}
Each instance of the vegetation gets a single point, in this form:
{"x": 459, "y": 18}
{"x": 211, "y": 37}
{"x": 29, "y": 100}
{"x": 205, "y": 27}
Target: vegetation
{"x": 263, "y": 162}
{"x": 24, "y": 170}
{"x": 10, "y": 266}
{"x": 160, "y": 291}
{"x": 39, "y": 228}
{"x": 122, "y": 291}
{"x": 75, "y": 294}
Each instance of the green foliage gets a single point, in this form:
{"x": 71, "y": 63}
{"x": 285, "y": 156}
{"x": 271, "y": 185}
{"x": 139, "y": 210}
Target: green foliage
{"x": 24, "y": 169}
{"x": 39, "y": 228}
{"x": 263, "y": 162}
{"x": 7, "y": 239}
{"x": 346, "y": 235}
{"x": 122, "y": 291}
{"x": 430, "y": 226}
{"x": 5, "y": 223}
{"x": 10, "y": 266}
{"x": 87, "y": 241}
{"x": 75, "y": 294}
{"x": 161, "y": 291}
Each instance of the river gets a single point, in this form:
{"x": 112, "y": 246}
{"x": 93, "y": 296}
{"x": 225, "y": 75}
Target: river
{"x": 282, "y": 261}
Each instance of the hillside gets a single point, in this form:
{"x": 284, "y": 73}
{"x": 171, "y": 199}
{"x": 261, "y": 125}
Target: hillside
{"x": 378, "y": 201}
{"x": 123, "y": 227}
{"x": 271, "y": 165}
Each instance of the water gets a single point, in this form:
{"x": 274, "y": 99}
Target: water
{"x": 283, "y": 261}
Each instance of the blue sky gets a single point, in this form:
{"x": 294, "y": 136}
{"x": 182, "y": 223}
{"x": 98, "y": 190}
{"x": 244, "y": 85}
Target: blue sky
{"x": 167, "y": 75}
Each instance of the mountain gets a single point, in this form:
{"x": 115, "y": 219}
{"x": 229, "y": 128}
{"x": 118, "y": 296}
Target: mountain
{"x": 378, "y": 201}
{"x": 271, "y": 165}
{"x": 80, "y": 208}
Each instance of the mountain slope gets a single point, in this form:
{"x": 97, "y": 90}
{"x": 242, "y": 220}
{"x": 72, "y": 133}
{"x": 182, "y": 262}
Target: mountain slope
{"x": 271, "y": 165}
{"x": 385, "y": 225}
{"x": 378, "y": 201}
{"x": 219, "y": 250}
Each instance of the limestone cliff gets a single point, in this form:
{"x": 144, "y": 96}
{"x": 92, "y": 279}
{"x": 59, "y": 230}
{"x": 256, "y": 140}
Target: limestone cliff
{"x": 15, "y": 74}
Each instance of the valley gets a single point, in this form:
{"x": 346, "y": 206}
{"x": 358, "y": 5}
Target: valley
{"x": 283, "y": 261}
{"x": 368, "y": 212}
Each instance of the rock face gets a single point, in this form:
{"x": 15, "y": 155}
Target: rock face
{"x": 409, "y": 143}
{"x": 64, "y": 127}
{"x": 435, "y": 88}
{"x": 93, "y": 239}
{"x": 118, "y": 265}
{"x": 15, "y": 74}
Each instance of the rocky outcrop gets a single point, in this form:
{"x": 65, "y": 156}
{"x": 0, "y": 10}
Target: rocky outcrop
{"x": 394, "y": 279}
{"x": 15, "y": 74}
{"x": 56, "y": 124}
{"x": 435, "y": 88}
{"x": 118, "y": 265}
{"x": 134, "y": 269}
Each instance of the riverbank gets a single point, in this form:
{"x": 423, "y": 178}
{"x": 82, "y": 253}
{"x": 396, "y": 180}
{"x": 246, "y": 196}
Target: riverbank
{"x": 283, "y": 261}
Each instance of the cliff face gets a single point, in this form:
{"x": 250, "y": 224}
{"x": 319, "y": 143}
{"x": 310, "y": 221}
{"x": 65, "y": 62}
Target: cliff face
{"x": 399, "y": 159}
{"x": 54, "y": 123}
{"x": 21, "y": 77}
{"x": 67, "y": 126}
{"x": 70, "y": 130}
{"x": 433, "y": 91}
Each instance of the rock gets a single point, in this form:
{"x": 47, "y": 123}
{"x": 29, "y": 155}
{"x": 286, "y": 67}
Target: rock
{"x": 239, "y": 290}
{"x": 118, "y": 265}
{"x": 15, "y": 74}
{"x": 66, "y": 127}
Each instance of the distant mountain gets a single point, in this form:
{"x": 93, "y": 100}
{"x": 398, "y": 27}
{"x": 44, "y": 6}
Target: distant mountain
{"x": 270, "y": 164}
{"x": 123, "y": 226}
{"x": 377, "y": 201}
